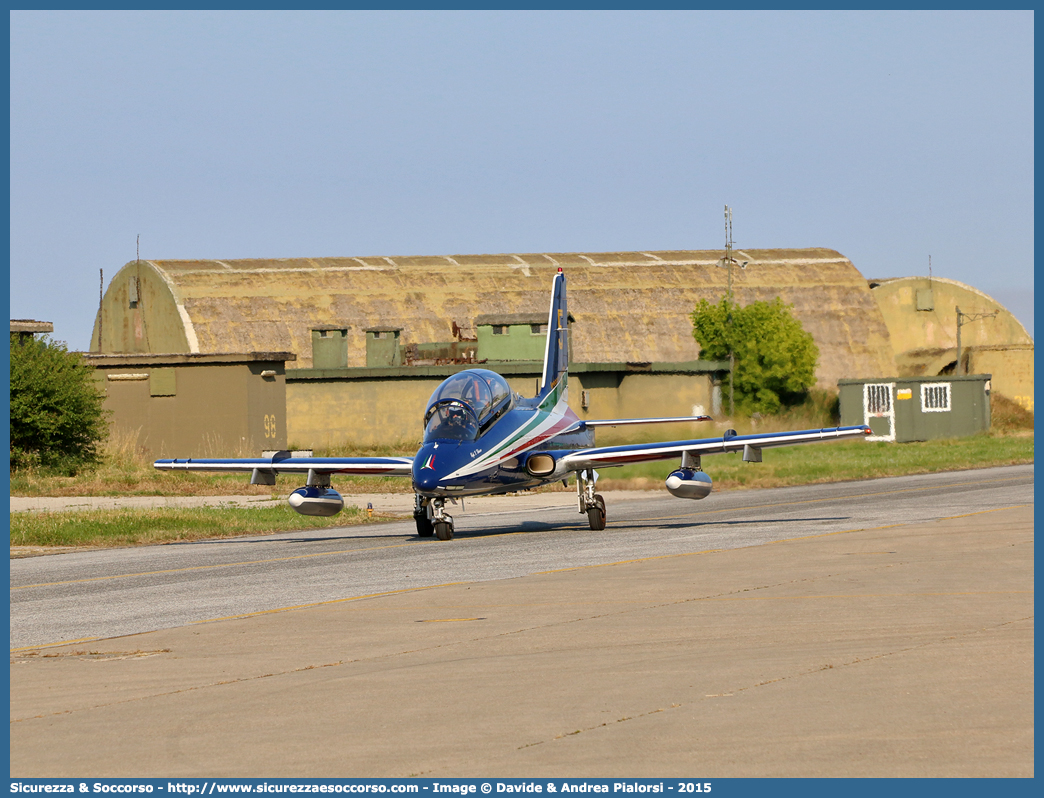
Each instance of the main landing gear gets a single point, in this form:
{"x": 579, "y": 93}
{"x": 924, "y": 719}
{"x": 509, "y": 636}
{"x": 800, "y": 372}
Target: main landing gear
{"x": 431, "y": 519}
{"x": 590, "y": 502}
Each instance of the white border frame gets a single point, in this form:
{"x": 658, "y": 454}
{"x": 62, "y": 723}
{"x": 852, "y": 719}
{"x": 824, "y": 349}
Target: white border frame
{"x": 949, "y": 397}
{"x": 890, "y": 415}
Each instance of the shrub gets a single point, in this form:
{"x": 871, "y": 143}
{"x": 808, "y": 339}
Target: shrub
{"x": 1006, "y": 416}
{"x": 57, "y": 420}
{"x": 775, "y": 359}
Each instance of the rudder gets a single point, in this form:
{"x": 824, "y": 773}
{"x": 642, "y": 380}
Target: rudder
{"x": 556, "y": 350}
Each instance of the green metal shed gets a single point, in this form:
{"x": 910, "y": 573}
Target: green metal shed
{"x": 514, "y": 336}
{"x": 917, "y": 408}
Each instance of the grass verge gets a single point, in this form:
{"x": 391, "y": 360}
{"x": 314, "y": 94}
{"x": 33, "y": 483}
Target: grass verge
{"x": 133, "y": 478}
{"x": 124, "y": 470}
{"x": 800, "y": 465}
{"x": 132, "y": 527}
{"x": 836, "y": 462}
{"x": 784, "y": 466}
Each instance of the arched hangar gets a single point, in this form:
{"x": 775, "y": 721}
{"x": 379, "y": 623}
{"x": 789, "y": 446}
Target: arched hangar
{"x": 921, "y": 314}
{"x": 629, "y": 307}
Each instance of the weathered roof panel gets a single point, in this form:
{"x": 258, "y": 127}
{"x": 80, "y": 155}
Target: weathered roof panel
{"x": 628, "y": 306}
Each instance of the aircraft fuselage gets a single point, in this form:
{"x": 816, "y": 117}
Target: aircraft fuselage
{"x": 498, "y": 461}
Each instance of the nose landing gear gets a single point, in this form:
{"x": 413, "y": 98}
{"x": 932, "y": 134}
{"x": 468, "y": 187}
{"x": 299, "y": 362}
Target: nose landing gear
{"x": 425, "y": 529}
{"x": 431, "y": 519}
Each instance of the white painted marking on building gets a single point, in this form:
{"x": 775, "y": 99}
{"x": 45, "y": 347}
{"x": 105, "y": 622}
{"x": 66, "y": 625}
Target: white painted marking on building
{"x": 190, "y": 330}
{"x": 186, "y": 321}
{"x": 295, "y": 270}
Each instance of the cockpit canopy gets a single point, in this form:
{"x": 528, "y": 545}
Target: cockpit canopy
{"x": 466, "y": 403}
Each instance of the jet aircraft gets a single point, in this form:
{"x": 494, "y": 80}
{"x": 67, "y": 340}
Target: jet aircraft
{"x": 482, "y": 438}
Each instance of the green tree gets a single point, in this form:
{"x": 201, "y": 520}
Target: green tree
{"x": 775, "y": 357}
{"x": 57, "y": 418}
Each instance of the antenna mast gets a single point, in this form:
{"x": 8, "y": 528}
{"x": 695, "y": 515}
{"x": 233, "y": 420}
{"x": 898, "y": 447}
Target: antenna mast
{"x": 728, "y": 246}
{"x": 962, "y": 319}
{"x": 101, "y": 297}
{"x": 729, "y": 303}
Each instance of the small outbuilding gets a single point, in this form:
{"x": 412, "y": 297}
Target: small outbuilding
{"x": 30, "y": 328}
{"x": 193, "y": 405}
{"x": 904, "y": 409}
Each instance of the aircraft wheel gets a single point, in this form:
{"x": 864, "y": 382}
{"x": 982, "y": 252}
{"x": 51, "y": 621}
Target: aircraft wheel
{"x": 443, "y": 530}
{"x": 596, "y": 514}
{"x": 424, "y": 526}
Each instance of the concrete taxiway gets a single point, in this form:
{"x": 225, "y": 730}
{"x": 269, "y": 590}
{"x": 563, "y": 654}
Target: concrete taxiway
{"x": 900, "y": 650}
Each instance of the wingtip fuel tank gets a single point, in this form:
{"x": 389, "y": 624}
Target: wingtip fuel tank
{"x": 686, "y": 483}
{"x": 316, "y": 501}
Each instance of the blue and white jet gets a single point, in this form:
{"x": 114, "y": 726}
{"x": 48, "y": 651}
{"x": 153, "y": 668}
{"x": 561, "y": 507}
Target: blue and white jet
{"x": 482, "y": 438}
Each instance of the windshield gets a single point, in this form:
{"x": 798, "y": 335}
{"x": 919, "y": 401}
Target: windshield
{"x": 452, "y": 420}
{"x": 483, "y": 391}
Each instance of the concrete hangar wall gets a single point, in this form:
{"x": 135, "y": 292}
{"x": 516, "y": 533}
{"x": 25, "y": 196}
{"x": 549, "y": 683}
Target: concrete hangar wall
{"x": 631, "y": 337}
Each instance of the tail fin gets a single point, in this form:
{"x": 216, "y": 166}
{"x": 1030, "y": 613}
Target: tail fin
{"x": 556, "y": 353}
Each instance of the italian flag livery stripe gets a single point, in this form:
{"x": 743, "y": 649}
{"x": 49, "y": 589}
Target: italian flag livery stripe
{"x": 551, "y": 417}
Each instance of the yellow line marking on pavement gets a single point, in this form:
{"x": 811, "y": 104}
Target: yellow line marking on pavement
{"x": 618, "y": 562}
{"x": 831, "y": 498}
{"x": 61, "y": 643}
{"x": 983, "y": 512}
{"x": 414, "y": 543}
{"x": 326, "y": 603}
{"x": 448, "y": 620}
{"x": 560, "y": 570}
{"x": 893, "y": 526}
{"x": 869, "y": 595}
{"x": 220, "y": 565}
{"x": 450, "y": 584}
{"x": 781, "y": 540}
{"x": 255, "y": 614}
{"x": 865, "y": 553}
{"x": 628, "y": 562}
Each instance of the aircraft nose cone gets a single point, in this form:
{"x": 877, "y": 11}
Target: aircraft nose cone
{"x": 425, "y": 480}
{"x": 425, "y": 477}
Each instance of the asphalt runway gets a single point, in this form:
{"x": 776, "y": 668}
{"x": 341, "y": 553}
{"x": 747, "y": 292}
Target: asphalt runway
{"x": 105, "y": 593}
{"x": 880, "y": 628}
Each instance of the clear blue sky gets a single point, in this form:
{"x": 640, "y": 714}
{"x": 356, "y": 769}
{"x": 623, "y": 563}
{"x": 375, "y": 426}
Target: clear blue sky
{"x": 888, "y": 136}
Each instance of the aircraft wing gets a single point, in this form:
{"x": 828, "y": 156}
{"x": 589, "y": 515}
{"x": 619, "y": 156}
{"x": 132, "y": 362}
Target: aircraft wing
{"x": 270, "y": 466}
{"x": 627, "y": 422}
{"x": 644, "y": 452}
